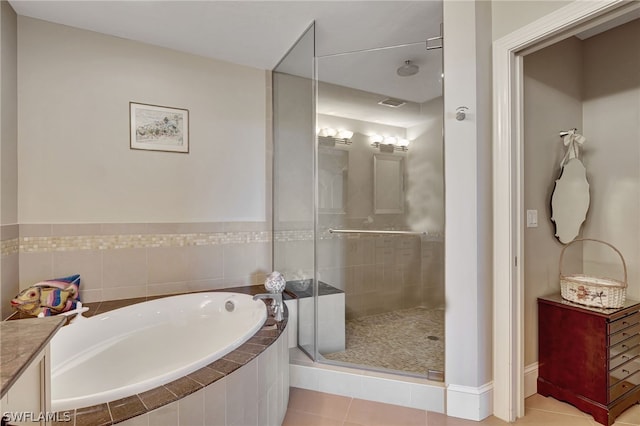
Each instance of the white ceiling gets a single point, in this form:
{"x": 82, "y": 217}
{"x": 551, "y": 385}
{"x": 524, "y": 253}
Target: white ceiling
{"x": 371, "y": 77}
{"x": 259, "y": 33}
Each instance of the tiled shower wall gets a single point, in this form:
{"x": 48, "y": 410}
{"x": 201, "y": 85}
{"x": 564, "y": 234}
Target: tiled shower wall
{"x": 383, "y": 273}
{"x": 377, "y": 273}
{"x": 118, "y": 261}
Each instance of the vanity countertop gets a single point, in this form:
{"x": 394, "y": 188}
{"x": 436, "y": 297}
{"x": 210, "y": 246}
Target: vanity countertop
{"x": 20, "y": 342}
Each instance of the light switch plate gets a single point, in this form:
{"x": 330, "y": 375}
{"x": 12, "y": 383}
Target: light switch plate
{"x": 532, "y": 218}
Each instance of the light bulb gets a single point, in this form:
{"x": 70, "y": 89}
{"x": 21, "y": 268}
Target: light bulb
{"x": 375, "y": 138}
{"x": 327, "y": 132}
{"x": 345, "y": 134}
{"x": 390, "y": 140}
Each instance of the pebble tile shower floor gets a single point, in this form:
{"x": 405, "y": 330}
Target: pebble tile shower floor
{"x": 409, "y": 340}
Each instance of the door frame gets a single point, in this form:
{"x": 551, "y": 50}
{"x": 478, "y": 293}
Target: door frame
{"x": 508, "y": 210}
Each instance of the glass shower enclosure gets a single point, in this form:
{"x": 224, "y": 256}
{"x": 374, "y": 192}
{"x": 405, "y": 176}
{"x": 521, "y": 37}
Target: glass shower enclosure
{"x": 359, "y": 204}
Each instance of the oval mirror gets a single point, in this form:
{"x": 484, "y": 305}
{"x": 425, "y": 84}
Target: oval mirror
{"x": 570, "y": 201}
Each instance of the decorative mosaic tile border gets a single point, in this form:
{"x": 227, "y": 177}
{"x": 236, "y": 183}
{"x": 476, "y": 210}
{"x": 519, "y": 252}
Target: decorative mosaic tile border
{"x": 305, "y": 235}
{"x": 111, "y": 242}
{"x": 429, "y": 236}
{"x": 114, "y": 242}
{"x": 8, "y": 247}
{"x": 297, "y": 235}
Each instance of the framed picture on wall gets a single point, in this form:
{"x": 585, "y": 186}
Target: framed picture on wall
{"x": 158, "y": 128}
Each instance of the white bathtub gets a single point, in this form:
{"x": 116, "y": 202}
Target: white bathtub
{"x": 133, "y": 349}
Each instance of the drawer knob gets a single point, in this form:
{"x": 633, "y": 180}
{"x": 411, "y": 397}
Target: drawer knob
{"x": 625, "y": 371}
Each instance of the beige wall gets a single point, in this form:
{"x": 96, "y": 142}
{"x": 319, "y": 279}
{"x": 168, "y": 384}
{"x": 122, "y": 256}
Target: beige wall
{"x": 572, "y": 84}
{"x": 552, "y": 102}
{"x": 611, "y": 113}
{"x": 9, "y": 120}
{"x": 293, "y": 195}
{"x": 75, "y": 165}
{"x": 293, "y": 150}
{"x": 8, "y": 158}
{"x": 133, "y": 223}
{"x": 510, "y": 15}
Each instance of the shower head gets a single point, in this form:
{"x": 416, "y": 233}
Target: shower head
{"x": 408, "y": 69}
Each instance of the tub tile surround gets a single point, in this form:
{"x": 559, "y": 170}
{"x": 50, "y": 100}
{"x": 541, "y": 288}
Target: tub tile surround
{"x": 9, "y": 256}
{"x": 128, "y": 260}
{"x": 96, "y": 415}
{"x": 8, "y": 245}
{"x": 213, "y": 395}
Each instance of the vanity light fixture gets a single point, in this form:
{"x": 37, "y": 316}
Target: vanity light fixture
{"x": 328, "y": 136}
{"x": 389, "y": 143}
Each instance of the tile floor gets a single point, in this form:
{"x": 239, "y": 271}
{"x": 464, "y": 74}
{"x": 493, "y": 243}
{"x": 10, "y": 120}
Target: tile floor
{"x": 310, "y": 408}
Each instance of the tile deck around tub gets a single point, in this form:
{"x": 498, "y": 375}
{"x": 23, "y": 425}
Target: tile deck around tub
{"x": 131, "y": 406}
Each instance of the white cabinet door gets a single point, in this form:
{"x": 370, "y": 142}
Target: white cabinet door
{"x": 28, "y": 401}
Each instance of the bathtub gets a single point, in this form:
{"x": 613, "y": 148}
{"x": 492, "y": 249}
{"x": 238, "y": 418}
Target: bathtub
{"x": 139, "y": 347}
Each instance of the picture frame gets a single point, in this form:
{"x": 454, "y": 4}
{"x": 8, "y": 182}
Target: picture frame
{"x": 158, "y": 128}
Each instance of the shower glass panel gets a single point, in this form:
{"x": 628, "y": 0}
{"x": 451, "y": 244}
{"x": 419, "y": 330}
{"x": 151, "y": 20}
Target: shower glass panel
{"x": 380, "y": 213}
{"x": 293, "y": 179}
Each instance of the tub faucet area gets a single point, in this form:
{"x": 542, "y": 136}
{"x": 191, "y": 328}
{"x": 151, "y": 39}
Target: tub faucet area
{"x": 276, "y": 303}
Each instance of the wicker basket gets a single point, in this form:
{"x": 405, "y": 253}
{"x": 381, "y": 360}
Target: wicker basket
{"x": 593, "y": 291}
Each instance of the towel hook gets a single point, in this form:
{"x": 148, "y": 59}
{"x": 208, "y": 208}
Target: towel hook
{"x": 564, "y": 133}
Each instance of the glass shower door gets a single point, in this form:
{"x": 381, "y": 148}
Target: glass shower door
{"x": 380, "y": 210}
{"x": 293, "y": 180}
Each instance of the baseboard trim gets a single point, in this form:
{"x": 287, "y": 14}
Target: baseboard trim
{"x": 367, "y": 385}
{"x": 465, "y": 402}
{"x": 471, "y": 403}
{"x": 530, "y": 379}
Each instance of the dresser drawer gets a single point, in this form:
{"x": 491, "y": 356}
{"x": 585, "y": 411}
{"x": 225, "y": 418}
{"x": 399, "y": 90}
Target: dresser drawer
{"x": 624, "y": 371}
{"x": 621, "y": 352}
{"x": 624, "y": 334}
{"x": 624, "y": 322}
{"x": 624, "y": 386}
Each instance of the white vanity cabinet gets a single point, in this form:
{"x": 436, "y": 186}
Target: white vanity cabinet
{"x": 30, "y": 395}
{"x": 25, "y": 371}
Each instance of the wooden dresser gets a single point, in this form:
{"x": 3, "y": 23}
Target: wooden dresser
{"x": 589, "y": 357}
